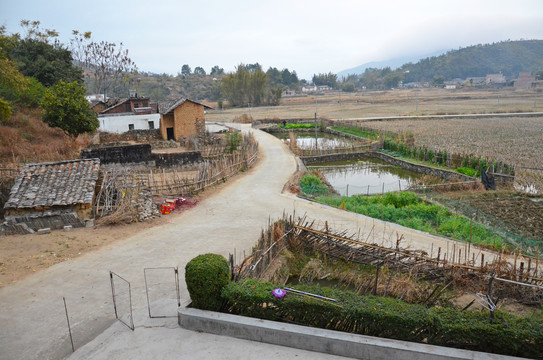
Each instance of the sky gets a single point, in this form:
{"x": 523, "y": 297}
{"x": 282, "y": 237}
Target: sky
{"x": 309, "y": 37}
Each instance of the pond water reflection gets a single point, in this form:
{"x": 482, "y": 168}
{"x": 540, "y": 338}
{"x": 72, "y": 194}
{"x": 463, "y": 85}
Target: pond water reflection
{"x": 368, "y": 176}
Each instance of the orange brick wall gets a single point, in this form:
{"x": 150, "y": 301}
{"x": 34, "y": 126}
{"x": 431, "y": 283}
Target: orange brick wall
{"x": 184, "y": 121}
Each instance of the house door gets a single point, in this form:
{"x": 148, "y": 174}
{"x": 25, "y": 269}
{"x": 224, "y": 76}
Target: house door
{"x": 169, "y": 133}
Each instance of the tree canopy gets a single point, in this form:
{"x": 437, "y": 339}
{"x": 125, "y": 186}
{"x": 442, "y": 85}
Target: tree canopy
{"x": 65, "y": 107}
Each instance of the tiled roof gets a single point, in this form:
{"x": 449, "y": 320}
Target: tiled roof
{"x": 165, "y": 107}
{"x": 54, "y": 184}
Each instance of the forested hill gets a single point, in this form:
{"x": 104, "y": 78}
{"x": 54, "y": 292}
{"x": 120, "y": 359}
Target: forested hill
{"x": 509, "y": 58}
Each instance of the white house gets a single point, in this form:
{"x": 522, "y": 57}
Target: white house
{"x": 120, "y": 123}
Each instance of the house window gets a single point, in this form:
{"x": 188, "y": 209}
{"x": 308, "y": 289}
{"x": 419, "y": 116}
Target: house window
{"x": 136, "y": 105}
{"x": 151, "y": 124}
{"x": 130, "y": 126}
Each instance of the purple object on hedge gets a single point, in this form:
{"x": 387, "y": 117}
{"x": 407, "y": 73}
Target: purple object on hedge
{"x": 279, "y": 293}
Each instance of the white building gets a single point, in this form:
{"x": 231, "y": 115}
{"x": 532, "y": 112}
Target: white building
{"x": 120, "y": 123}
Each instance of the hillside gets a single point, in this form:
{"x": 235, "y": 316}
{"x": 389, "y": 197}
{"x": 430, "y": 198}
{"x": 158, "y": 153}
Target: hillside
{"x": 25, "y": 138}
{"x": 392, "y": 63}
{"x": 508, "y": 57}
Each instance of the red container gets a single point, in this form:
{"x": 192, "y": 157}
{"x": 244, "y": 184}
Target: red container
{"x": 165, "y": 209}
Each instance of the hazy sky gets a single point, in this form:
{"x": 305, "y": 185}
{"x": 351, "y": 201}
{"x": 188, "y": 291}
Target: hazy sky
{"x": 306, "y": 36}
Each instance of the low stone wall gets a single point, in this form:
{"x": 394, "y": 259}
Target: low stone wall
{"x": 119, "y": 154}
{"x": 33, "y": 221}
{"x": 308, "y": 160}
{"x": 174, "y": 159}
{"x": 421, "y": 169}
{"x": 131, "y": 135}
{"x": 137, "y": 154}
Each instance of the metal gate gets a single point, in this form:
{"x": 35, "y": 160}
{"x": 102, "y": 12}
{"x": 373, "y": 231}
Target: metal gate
{"x": 162, "y": 288}
{"x": 122, "y": 299}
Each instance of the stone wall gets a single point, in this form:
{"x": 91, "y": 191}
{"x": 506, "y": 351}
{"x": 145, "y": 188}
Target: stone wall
{"x": 119, "y": 154}
{"x": 174, "y": 159}
{"x": 308, "y": 160}
{"x": 421, "y": 169}
{"x": 32, "y": 221}
{"x": 135, "y": 154}
{"x": 131, "y": 135}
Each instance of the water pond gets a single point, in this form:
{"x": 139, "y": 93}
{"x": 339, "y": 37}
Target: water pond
{"x": 322, "y": 141}
{"x": 368, "y": 176}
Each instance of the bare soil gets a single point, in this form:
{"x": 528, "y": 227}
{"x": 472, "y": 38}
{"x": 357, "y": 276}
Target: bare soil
{"x": 522, "y": 211}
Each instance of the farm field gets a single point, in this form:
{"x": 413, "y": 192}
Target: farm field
{"x": 336, "y": 105}
{"x": 517, "y": 141}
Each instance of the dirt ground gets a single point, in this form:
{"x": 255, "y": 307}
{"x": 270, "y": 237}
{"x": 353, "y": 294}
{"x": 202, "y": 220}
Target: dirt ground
{"x": 523, "y": 211}
{"x": 22, "y": 255}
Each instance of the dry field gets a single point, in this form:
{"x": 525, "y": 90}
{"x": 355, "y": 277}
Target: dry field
{"x": 516, "y": 141}
{"x": 336, "y": 105}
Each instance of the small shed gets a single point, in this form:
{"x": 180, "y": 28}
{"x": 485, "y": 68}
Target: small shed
{"x": 182, "y": 119}
{"x": 52, "y": 195}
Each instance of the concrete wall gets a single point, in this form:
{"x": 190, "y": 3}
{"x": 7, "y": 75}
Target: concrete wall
{"x": 120, "y": 123}
{"x": 320, "y": 340}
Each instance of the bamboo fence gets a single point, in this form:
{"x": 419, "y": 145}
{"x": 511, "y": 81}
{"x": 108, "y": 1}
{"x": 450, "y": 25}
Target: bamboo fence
{"x": 513, "y": 268}
{"x": 119, "y": 186}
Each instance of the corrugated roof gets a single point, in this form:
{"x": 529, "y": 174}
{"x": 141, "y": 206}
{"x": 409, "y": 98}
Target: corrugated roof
{"x": 54, "y": 184}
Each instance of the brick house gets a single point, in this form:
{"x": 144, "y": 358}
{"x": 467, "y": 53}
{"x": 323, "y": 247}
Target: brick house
{"x": 52, "y": 195}
{"x": 182, "y": 119}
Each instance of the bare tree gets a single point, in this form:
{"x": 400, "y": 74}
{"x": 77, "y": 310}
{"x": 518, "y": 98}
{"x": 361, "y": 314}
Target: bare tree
{"x": 107, "y": 63}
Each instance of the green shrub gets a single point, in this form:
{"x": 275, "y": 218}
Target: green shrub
{"x": 233, "y": 141}
{"x": 466, "y": 171}
{"x": 312, "y": 184}
{"x": 205, "y": 276}
{"x": 390, "y": 318}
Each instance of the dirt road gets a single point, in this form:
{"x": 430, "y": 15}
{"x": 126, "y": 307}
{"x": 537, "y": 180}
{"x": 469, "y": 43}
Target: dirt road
{"x": 32, "y": 311}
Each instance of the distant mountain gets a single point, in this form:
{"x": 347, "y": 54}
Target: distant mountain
{"x": 392, "y": 63}
{"x": 508, "y": 58}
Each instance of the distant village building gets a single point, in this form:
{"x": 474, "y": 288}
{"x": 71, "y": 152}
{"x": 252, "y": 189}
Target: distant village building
{"x": 495, "y": 79}
{"x": 525, "y": 81}
{"x": 52, "y": 195}
{"x": 475, "y": 81}
{"x": 309, "y": 88}
{"x": 182, "y": 119}
{"x": 133, "y": 113}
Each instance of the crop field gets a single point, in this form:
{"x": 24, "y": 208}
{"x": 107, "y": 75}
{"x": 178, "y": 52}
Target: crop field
{"x": 517, "y": 141}
{"x": 336, "y": 105}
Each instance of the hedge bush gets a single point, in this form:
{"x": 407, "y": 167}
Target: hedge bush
{"x": 205, "y": 276}
{"x": 390, "y": 318}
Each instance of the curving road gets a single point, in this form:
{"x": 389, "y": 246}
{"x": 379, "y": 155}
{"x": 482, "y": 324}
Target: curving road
{"x": 32, "y": 313}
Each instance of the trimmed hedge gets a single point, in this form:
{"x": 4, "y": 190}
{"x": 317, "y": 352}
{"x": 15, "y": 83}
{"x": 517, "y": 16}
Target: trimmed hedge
{"x": 205, "y": 276}
{"x": 390, "y": 318}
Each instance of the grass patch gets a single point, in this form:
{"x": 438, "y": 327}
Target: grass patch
{"x": 297, "y": 126}
{"x": 372, "y": 135}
